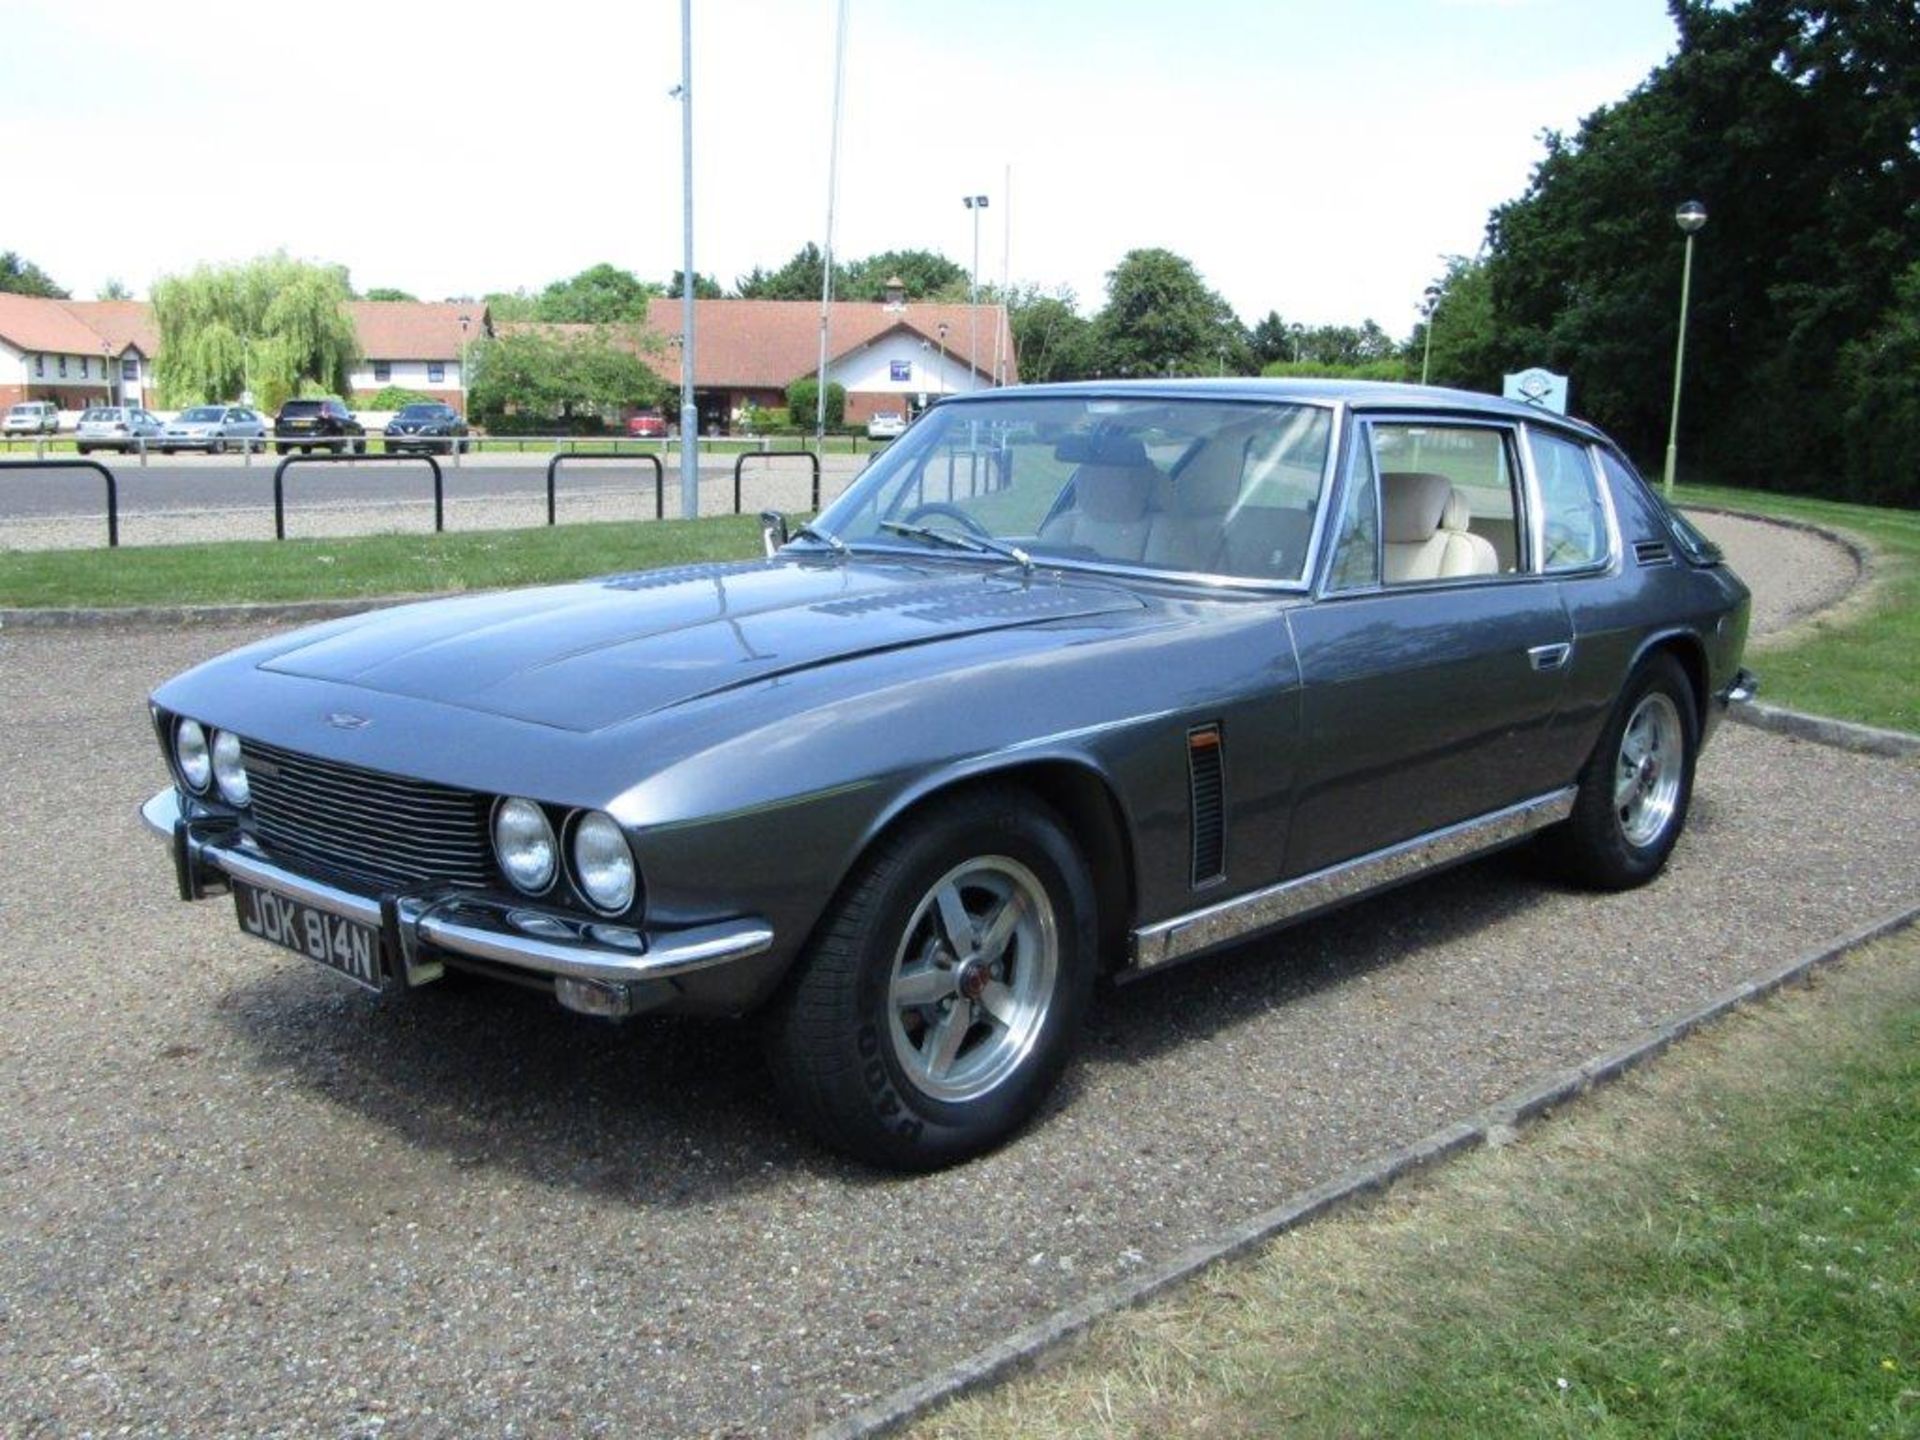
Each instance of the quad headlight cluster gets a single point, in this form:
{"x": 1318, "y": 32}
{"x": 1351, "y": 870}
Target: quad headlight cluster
{"x": 211, "y": 760}
{"x": 597, "y": 856}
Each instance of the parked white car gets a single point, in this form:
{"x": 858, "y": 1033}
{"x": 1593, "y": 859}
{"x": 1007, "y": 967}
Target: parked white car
{"x": 212, "y": 427}
{"x": 886, "y": 425}
{"x": 32, "y": 417}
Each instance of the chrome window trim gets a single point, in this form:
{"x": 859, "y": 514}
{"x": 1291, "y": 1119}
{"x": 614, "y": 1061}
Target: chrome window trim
{"x": 1537, "y": 500}
{"x": 1229, "y": 920}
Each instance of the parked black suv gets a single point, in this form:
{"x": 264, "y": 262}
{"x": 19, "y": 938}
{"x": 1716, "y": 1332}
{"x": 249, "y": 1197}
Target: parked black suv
{"x": 318, "y": 424}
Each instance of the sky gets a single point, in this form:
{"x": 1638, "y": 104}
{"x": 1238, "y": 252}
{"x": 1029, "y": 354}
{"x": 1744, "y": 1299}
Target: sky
{"x": 1310, "y": 157}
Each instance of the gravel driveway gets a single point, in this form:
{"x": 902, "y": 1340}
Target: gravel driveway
{"x": 238, "y": 1199}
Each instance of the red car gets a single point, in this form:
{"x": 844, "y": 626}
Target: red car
{"x": 648, "y": 424}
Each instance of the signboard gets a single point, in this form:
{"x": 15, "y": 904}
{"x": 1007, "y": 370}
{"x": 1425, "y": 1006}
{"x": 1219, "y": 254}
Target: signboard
{"x": 1538, "y": 387}
{"x": 900, "y": 371}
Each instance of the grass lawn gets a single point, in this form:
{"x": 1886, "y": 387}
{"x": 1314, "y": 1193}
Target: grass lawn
{"x": 1725, "y": 1244}
{"x": 371, "y": 565}
{"x": 1862, "y": 661}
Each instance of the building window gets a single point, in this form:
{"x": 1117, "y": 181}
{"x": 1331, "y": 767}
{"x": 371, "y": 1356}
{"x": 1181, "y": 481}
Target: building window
{"x": 84, "y": 370}
{"x": 129, "y": 369}
{"x": 63, "y": 367}
{"x": 40, "y": 365}
{"x": 436, "y": 372}
{"x": 383, "y": 370}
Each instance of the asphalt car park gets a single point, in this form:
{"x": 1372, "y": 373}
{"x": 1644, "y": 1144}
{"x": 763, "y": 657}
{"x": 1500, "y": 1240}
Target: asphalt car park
{"x": 239, "y": 1198}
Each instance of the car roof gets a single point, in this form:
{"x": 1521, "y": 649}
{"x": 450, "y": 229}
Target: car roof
{"x": 1358, "y": 394}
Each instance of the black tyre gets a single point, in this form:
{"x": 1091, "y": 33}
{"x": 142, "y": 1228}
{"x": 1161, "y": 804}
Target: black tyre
{"x": 1635, "y": 791}
{"x": 359, "y": 447}
{"x": 218, "y": 447}
{"x": 83, "y": 449}
{"x": 942, "y": 994}
{"x": 279, "y": 449}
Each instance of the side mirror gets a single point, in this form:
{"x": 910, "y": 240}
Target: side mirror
{"x": 773, "y": 530}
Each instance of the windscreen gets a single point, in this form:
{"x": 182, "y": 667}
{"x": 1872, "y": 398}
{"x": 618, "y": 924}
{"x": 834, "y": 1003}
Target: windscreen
{"x": 1192, "y": 486}
{"x": 423, "y": 412}
{"x": 205, "y": 414}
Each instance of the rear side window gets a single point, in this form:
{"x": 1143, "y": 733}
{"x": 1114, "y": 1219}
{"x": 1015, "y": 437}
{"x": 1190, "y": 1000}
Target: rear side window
{"x": 1573, "y": 521}
{"x": 1449, "y": 504}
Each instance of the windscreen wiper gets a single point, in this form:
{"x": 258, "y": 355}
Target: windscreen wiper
{"x": 977, "y": 544}
{"x": 832, "y": 542}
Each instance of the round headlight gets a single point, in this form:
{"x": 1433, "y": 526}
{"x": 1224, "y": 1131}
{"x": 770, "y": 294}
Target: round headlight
{"x": 190, "y": 754}
{"x": 229, "y": 769}
{"x": 602, "y": 863}
{"x": 523, "y": 843}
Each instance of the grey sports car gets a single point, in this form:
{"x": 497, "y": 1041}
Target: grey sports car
{"x": 1073, "y": 682}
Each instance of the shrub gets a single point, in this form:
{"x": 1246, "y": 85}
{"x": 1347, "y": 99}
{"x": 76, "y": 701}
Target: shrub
{"x": 803, "y": 402}
{"x": 395, "y": 397}
{"x": 1394, "y": 370}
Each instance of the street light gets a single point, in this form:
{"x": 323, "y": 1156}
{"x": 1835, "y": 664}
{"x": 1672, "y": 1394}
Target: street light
{"x": 1689, "y": 217}
{"x": 975, "y": 203}
{"x": 463, "y": 367}
{"x": 1426, "y": 311}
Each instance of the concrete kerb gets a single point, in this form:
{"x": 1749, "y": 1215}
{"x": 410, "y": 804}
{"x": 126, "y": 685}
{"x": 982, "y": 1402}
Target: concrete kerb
{"x": 137, "y": 616}
{"x": 1841, "y": 734}
{"x": 1031, "y": 1346}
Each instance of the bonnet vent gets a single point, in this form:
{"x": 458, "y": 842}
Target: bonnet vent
{"x": 1206, "y": 771}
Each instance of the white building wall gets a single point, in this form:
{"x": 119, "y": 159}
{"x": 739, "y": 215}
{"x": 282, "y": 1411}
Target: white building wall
{"x": 408, "y": 375}
{"x": 872, "y": 370}
{"x": 13, "y": 365}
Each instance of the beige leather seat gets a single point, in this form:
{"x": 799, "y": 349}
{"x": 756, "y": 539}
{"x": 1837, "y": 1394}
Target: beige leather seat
{"x": 1427, "y": 535}
{"x": 1112, "y": 512}
{"x": 1210, "y": 529}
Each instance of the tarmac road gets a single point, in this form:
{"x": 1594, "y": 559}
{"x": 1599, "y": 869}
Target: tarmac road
{"x": 238, "y": 1198}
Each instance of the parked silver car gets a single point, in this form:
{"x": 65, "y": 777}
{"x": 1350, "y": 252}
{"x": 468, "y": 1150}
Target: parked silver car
{"x": 115, "y": 427}
{"x": 32, "y": 417}
{"x": 1073, "y": 682}
{"x": 212, "y": 428}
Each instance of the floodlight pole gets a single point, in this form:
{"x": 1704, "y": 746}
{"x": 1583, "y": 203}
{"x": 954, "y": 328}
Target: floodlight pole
{"x": 1689, "y": 217}
{"x": 975, "y": 203}
{"x": 826, "y": 267}
{"x": 689, "y": 409}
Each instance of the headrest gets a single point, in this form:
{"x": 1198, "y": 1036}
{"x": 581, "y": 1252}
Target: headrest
{"x": 1458, "y": 514}
{"x": 1102, "y": 448}
{"x": 1210, "y": 483}
{"x": 1414, "y": 502}
{"x": 1114, "y": 494}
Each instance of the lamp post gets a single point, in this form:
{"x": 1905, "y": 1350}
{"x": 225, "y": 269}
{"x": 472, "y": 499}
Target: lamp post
{"x": 106, "y": 374}
{"x": 1689, "y": 217}
{"x": 975, "y": 203}
{"x": 463, "y": 366}
{"x": 1432, "y": 304}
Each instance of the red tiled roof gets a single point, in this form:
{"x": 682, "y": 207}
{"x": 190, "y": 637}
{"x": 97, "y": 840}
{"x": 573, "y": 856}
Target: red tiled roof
{"x": 29, "y": 323}
{"x": 414, "y": 329}
{"x": 123, "y": 324}
{"x": 768, "y": 344}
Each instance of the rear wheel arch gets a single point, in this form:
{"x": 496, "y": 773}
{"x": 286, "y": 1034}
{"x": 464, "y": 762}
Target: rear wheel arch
{"x": 1687, "y": 649}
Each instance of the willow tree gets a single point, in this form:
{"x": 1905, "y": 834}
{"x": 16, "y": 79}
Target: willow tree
{"x": 276, "y": 326}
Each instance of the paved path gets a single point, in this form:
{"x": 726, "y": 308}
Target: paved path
{"x": 236, "y": 1198}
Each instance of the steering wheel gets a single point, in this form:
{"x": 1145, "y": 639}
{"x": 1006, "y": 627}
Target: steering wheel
{"x": 920, "y": 513}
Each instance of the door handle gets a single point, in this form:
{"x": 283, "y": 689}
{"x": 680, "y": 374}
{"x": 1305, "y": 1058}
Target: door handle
{"x": 1550, "y": 657}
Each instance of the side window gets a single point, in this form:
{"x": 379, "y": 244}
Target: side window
{"x": 436, "y": 372}
{"x": 1356, "y": 548}
{"x": 383, "y": 370}
{"x": 1448, "y": 500}
{"x": 1573, "y": 522}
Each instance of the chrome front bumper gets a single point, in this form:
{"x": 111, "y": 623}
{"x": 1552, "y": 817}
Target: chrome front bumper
{"x": 595, "y": 968}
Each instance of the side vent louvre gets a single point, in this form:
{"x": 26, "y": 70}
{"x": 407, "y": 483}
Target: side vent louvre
{"x": 1206, "y": 770}
{"x": 1653, "y": 552}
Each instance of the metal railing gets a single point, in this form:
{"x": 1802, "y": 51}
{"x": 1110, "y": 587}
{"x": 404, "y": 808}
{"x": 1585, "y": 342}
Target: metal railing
{"x": 280, "y": 475}
{"x": 659, "y": 479}
{"x": 740, "y": 464}
{"x": 113, "y": 486}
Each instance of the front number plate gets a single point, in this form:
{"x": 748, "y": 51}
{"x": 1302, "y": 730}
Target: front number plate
{"x": 340, "y": 944}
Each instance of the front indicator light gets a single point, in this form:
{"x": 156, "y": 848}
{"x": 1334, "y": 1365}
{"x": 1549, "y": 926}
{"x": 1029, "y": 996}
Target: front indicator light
{"x": 230, "y": 770}
{"x": 190, "y": 753}
{"x": 524, "y": 845}
{"x": 602, "y": 864}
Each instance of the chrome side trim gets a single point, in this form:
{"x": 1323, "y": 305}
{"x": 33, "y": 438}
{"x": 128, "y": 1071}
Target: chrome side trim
{"x": 1244, "y": 915}
{"x": 475, "y": 926}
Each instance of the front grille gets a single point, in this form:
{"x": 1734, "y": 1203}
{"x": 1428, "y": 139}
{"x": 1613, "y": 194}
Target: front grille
{"x": 386, "y": 829}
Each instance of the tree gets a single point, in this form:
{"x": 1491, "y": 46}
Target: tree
{"x": 799, "y": 279}
{"x": 1793, "y": 120}
{"x": 115, "y": 289}
{"x": 275, "y": 325}
{"x": 1343, "y": 346}
{"x": 511, "y": 305}
{"x": 705, "y": 287}
{"x": 924, "y": 275}
{"x": 1274, "y": 339}
{"x": 1050, "y": 336}
{"x": 1880, "y": 383}
{"x": 1160, "y": 319}
{"x": 547, "y": 375}
{"x": 600, "y": 295}
{"x": 1466, "y": 343}
{"x": 387, "y": 292}
{"x": 22, "y": 277}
